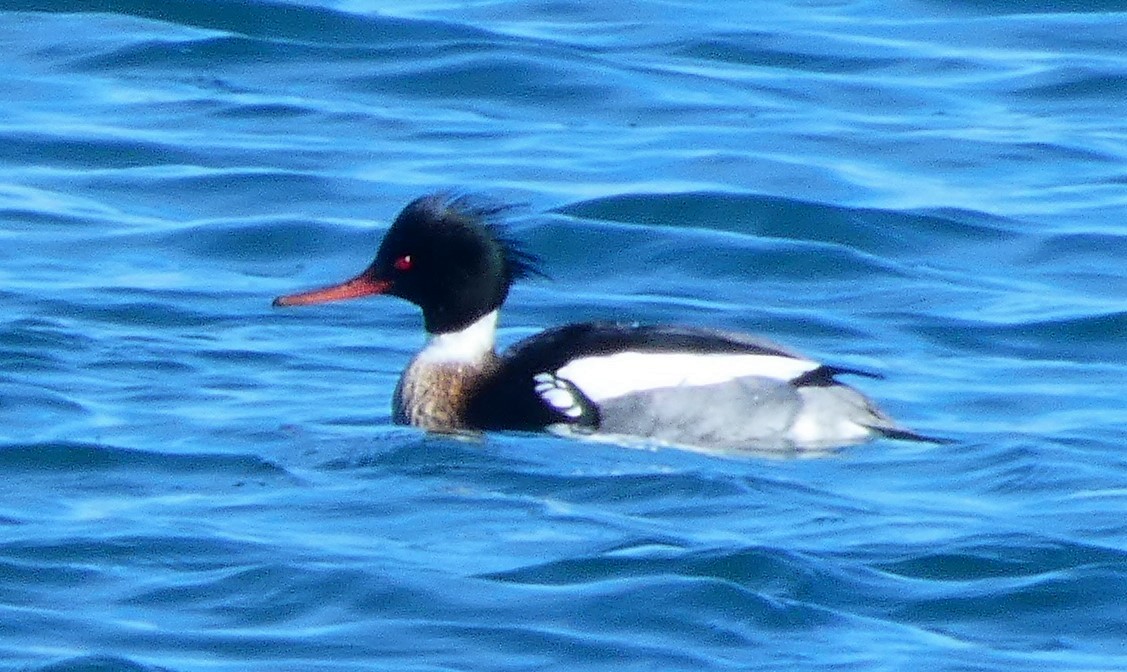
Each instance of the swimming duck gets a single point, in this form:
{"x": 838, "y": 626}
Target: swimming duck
{"x": 451, "y": 257}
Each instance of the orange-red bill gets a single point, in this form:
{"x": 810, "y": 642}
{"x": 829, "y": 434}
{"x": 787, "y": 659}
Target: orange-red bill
{"x": 359, "y": 286}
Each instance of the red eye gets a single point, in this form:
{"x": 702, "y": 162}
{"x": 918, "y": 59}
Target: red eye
{"x": 403, "y": 263}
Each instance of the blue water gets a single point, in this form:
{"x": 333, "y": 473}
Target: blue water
{"x": 194, "y": 481}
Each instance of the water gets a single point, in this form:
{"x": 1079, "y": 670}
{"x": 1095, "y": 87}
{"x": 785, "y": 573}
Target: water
{"x": 196, "y": 481}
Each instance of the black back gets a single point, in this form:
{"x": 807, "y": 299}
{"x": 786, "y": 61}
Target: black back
{"x": 509, "y": 401}
{"x": 554, "y": 348}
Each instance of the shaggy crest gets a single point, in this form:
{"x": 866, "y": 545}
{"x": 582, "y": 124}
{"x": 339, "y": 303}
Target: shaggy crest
{"x": 482, "y": 214}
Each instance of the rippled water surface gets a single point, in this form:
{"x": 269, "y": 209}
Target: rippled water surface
{"x": 195, "y": 481}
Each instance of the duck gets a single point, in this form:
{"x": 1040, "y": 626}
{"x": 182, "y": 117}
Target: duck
{"x": 451, "y": 255}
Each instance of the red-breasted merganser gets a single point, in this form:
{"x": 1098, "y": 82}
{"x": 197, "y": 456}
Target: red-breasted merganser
{"x": 696, "y": 387}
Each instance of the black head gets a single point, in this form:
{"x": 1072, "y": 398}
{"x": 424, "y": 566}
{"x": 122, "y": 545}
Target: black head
{"x": 447, "y": 255}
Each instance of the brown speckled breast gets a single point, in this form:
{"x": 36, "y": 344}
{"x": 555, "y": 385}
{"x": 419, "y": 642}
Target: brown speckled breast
{"x": 433, "y": 395}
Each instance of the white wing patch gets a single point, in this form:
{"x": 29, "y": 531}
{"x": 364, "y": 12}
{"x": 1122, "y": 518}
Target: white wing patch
{"x": 609, "y": 376}
{"x": 557, "y": 395}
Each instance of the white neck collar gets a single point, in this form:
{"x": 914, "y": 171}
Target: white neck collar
{"x": 469, "y": 345}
